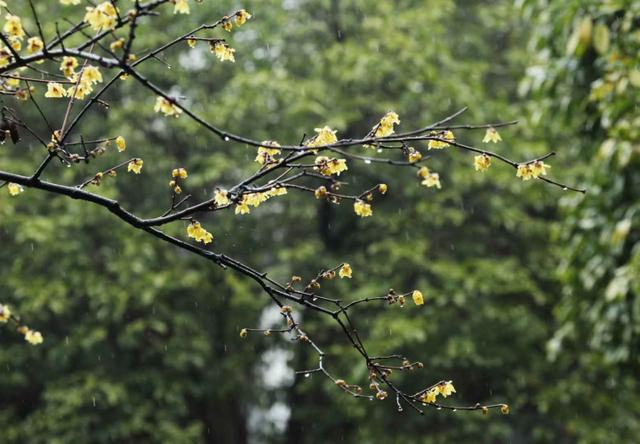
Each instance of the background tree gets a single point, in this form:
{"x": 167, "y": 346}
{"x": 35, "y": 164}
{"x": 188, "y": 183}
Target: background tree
{"x": 588, "y": 55}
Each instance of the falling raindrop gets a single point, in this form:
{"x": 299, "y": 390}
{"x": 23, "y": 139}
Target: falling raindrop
{"x": 94, "y": 401}
{"x": 564, "y": 188}
{"x": 367, "y": 161}
{"x": 226, "y": 138}
{"x": 454, "y": 410}
{"x": 379, "y": 150}
{"x": 439, "y": 408}
{"x": 307, "y": 375}
{"x": 370, "y": 398}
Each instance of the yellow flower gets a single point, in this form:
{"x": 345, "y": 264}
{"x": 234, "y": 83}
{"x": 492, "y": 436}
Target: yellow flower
{"x": 328, "y": 166}
{"x": 243, "y": 333}
{"x": 68, "y": 66}
{"x": 482, "y": 162}
{"x": 55, "y": 91}
{"x": 5, "y": 313}
{"x": 320, "y": 192}
{"x": 196, "y": 231}
{"x": 446, "y": 389}
{"x": 429, "y": 396}
{"x": 91, "y": 74}
{"x": 118, "y": 44}
{"x": 179, "y": 172}
{"x": 438, "y": 144}
{"x": 524, "y": 172}
{"x": 70, "y": 2}
{"x": 221, "y": 198}
{"x": 181, "y": 6}
{"x": 135, "y": 165}
{"x": 504, "y": 408}
{"x": 382, "y": 188}
{"x": 345, "y": 271}
{"x": 276, "y": 191}
{"x": 13, "y": 26}
{"x": 227, "y": 25}
{"x": 385, "y": 127}
{"x": 33, "y": 337}
{"x": 16, "y": 44}
{"x": 254, "y": 199}
{"x": 168, "y": 108}
{"x": 417, "y": 297}
{"x": 324, "y": 136}
{"x": 34, "y": 44}
{"x": 267, "y": 152}
{"x": 14, "y": 189}
{"x": 102, "y": 17}
{"x": 242, "y": 207}
{"x": 222, "y": 51}
{"x": 414, "y": 155}
{"x": 532, "y": 170}
{"x": 423, "y": 172}
{"x": 121, "y": 143}
{"x": 79, "y": 91}
{"x": 539, "y": 168}
{"x": 492, "y": 136}
{"x": 432, "y": 180}
{"x": 5, "y": 57}
{"x": 362, "y": 208}
{"x": 242, "y": 16}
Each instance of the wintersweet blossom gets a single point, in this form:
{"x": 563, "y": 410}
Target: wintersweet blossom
{"x": 440, "y": 144}
{"x": 197, "y": 232}
{"x": 135, "y": 166}
{"x": 492, "y": 136}
{"x": 482, "y": 162}
{"x": 362, "y": 208}
{"x": 345, "y": 271}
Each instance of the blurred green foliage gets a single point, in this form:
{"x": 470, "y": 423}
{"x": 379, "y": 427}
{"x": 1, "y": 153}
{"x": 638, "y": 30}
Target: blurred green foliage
{"x": 527, "y": 301}
{"x": 587, "y": 75}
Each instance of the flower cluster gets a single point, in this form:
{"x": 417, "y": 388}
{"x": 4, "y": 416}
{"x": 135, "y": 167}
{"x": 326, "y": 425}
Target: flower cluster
{"x": 31, "y": 336}
{"x": 429, "y": 179}
{"x": 385, "y": 127}
{"x": 436, "y": 144}
{"x": 13, "y": 28}
{"x": 328, "y": 167}
{"x": 222, "y": 51}
{"x": 268, "y": 152}
{"x": 255, "y": 199}
{"x": 324, "y": 136}
{"x": 221, "y": 198}
{"x": 362, "y": 208}
{"x": 177, "y": 174}
{"x": 103, "y": 17}
{"x": 195, "y": 231}
{"x": 444, "y": 388}
{"x": 532, "y": 170}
